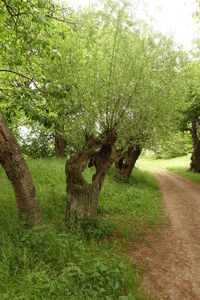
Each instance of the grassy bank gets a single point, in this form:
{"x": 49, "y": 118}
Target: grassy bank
{"x": 178, "y": 165}
{"x": 176, "y": 162}
{"x": 186, "y": 173}
{"x": 78, "y": 262}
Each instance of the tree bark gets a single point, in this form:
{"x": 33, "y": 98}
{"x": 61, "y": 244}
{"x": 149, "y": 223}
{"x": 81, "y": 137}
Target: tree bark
{"x": 18, "y": 173}
{"x": 195, "y": 158}
{"x": 82, "y": 197}
{"x": 125, "y": 161}
{"x": 60, "y": 144}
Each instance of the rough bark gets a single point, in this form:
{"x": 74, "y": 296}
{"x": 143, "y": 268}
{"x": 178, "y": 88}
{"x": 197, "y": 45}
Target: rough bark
{"x": 125, "y": 161}
{"x": 60, "y": 144}
{"x": 18, "y": 173}
{"x": 82, "y": 197}
{"x": 195, "y": 158}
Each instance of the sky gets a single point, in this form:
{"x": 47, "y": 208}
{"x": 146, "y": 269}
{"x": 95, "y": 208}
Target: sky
{"x": 175, "y": 17}
{"x": 171, "y": 17}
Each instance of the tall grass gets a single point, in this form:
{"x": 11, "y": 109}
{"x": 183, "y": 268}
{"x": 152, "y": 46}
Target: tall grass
{"x": 77, "y": 262}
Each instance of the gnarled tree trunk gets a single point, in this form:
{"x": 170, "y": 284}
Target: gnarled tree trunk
{"x": 82, "y": 197}
{"x": 195, "y": 158}
{"x": 60, "y": 144}
{"x": 18, "y": 173}
{"x": 125, "y": 161}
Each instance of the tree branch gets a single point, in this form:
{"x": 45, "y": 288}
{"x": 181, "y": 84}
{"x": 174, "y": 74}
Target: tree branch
{"x": 9, "y": 8}
{"x": 112, "y": 65}
{"x": 61, "y": 20}
{"x": 25, "y": 77}
{"x": 2, "y": 91}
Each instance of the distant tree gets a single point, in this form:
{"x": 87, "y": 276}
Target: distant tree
{"x": 191, "y": 111}
{"x": 176, "y": 144}
{"x": 36, "y": 141}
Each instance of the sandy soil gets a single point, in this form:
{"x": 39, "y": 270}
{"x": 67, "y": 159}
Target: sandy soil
{"x": 173, "y": 254}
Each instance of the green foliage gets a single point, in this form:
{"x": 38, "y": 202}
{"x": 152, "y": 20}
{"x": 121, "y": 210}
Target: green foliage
{"x": 24, "y": 40}
{"x": 37, "y": 143}
{"x": 56, "y": 262}
{"x": 177, "y": 144}
{"x": 191, "y": 105}
{"x": 88, "y": 71}
{"x": 138, "y": 198}
{"x": 51, "y": 263}
{"x": 97, "y": 228}
{"x": 152, "y": 113}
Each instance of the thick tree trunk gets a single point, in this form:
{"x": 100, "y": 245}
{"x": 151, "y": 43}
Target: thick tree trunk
{"x": 125, "y": 161}
{"x": 82, "y": 197}
{"x": 195, "y": 158}
{"x": 60, "y": 144}
{"x": 18, "y": 173}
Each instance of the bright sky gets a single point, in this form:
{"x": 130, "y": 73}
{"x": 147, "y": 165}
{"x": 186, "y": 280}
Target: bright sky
{"x": 171, "y": 17}
{"x": 175, "y": 17}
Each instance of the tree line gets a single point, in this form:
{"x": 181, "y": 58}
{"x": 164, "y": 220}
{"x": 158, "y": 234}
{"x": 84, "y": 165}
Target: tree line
{"x": 106, "y": 84}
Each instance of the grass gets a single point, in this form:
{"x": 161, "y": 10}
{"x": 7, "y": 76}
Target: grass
{"x": 138, "y": 199}
{"x": 176, "y": 162}
{"x": 78, "y": 262}
{"x": 178, "y": 165}
{"x": 186, "y": 173}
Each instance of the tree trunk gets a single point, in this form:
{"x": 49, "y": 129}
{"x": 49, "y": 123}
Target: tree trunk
{"x": 82, "y": 197}
{"x": 60, "y": 144}
{"x": 125, "y": 161}
{"x": 195, "y": 158}
{"x": 18, "y": 173}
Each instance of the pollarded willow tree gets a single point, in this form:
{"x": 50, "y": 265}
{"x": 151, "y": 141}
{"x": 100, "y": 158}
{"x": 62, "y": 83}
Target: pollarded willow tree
{"x": 114, "y": 80}
{"x": 152, "y": 115}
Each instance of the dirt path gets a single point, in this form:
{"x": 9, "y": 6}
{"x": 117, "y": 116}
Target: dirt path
{"x": 173, "y": 256}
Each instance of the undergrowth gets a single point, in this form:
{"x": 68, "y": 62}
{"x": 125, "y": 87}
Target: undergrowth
{"x": 78, "y": 261}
